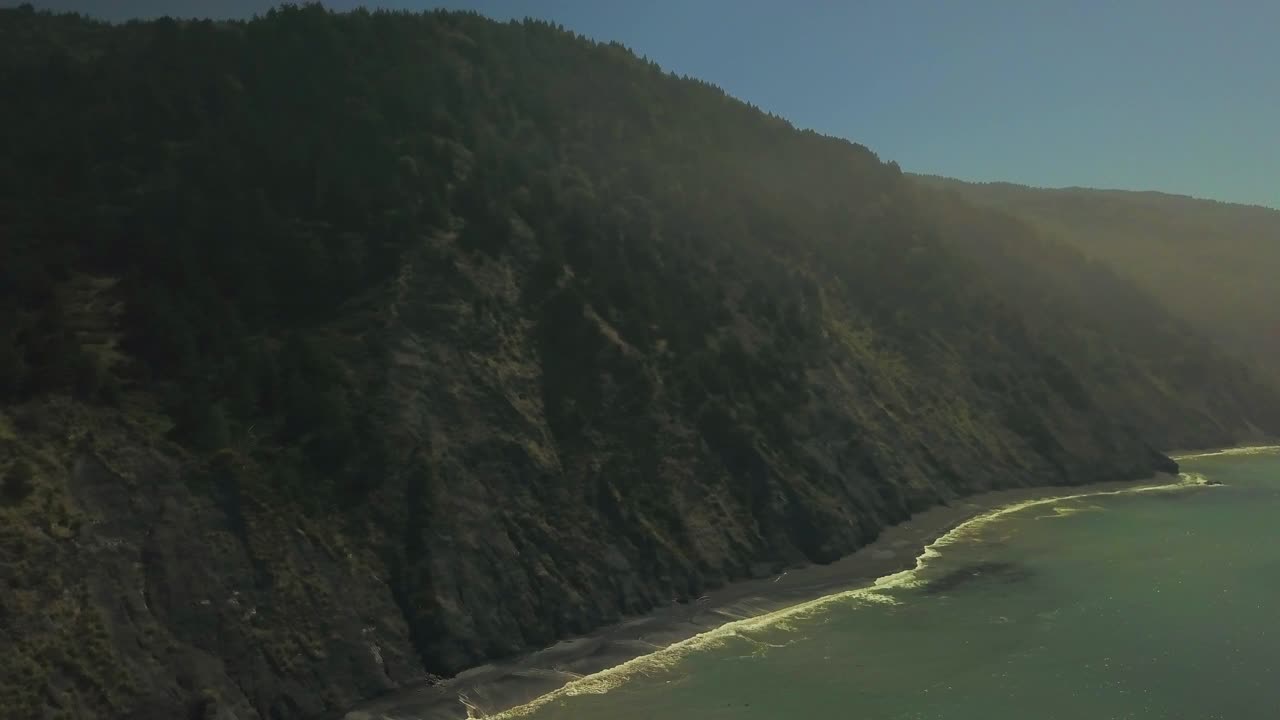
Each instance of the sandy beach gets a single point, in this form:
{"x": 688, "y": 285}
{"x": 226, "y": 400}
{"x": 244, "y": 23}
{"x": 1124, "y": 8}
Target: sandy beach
{"x": 497, "y": 687}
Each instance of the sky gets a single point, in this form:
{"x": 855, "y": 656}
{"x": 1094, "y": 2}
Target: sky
{"x": 1180, "y": 96}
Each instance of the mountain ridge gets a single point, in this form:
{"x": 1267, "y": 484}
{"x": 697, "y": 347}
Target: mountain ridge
{"x": 1207, "y": 261}
{"x": 1165, "y": 194}
{"x": 480, "y": 335}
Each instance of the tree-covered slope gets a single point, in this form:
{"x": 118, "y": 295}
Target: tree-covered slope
{"x": 1141, "y": 360}
{"x": 1212, "y": 263}
{"x": 338, "y": 351}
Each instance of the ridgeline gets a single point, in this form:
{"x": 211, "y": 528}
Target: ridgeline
{"x": 1213, "y": 263}
{"x": 343, "y": 351}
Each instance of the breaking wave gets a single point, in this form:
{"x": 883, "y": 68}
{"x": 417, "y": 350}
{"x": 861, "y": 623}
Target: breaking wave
{"x": 1061, "y": 511}
{"x": 877, "y": 593}
{"x": 1254, "y": 450}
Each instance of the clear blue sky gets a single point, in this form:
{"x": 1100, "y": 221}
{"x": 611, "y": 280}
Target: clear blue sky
{"x": 1174, "y": 95}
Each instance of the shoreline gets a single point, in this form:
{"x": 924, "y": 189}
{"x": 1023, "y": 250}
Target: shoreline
{"x": 501, "y": 689}
{"x": 1179, "y": 455}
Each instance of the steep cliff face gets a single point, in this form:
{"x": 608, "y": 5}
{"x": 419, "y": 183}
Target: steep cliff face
{"x": 537, "y": 523}
{"x": 188, "y": 584}
{"x": 521, "y": 337}
{"x": 139, "y": 583}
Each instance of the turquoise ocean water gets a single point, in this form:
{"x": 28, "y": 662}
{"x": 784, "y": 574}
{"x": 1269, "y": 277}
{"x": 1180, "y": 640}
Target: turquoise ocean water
{"x": 1148, "y": 605}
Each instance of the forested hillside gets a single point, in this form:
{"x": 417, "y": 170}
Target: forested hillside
{"x": 1212, "y": 263}
{"x": 341, "y": 351}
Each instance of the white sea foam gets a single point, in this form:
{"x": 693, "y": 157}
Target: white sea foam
{"x": 1061, "y": 511}
{"x": 1254, "y": 450}
{"x": 876, "y": 593}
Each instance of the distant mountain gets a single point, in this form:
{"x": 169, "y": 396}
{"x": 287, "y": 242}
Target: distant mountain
{"x": 343, "y": 351}
{"x": 1214, "y": 264}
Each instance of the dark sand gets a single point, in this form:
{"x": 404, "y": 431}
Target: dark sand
{"x": 500, "y": 686}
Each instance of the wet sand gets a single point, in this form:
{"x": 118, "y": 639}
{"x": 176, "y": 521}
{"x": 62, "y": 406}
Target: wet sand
{"x": 496, "y": 687}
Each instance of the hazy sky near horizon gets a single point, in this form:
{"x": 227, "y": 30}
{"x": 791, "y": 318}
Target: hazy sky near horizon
{"x": 1181, "y": 96}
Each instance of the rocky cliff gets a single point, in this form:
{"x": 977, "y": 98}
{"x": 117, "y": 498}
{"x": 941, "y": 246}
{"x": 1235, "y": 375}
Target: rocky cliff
{"x": 480, "y": 336}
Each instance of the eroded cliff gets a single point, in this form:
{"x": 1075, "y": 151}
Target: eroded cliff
{"x": 479, "y": 336}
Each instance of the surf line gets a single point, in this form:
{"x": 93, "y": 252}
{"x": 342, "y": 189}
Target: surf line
{"x": 1249, "y": 450}
{"x": 601, "y": 682}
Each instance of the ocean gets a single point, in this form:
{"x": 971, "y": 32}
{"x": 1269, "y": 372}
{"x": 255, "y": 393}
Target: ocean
{"x": 1153, "y": 604}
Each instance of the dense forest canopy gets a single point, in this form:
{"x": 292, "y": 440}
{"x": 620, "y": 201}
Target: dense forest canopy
{"x": 469, "y": 336}
{"x": 1213, "y": 263}
{"x": 186, "y": 176}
